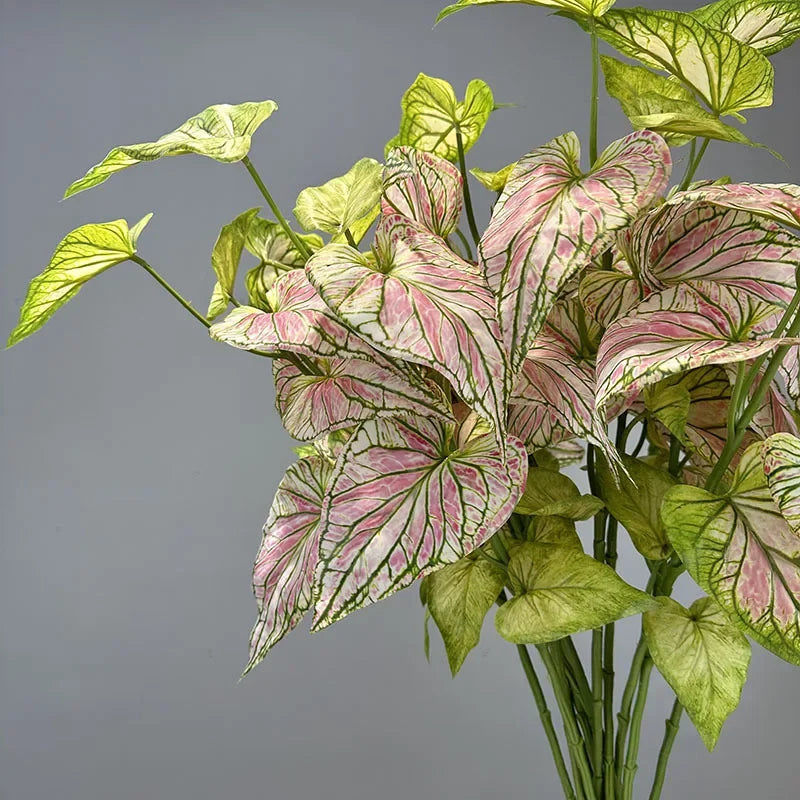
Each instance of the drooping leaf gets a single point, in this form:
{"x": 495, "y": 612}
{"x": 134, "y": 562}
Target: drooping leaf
{"x": 781, "y": 456}
{"x": 432, "y": 116}
{"x": 403, "y": 503}
{"x": 589, "y": 8}
{"x": 284, "y": 570}
{"x": 559, "y": 591}
{"x": 703, "y": 657}
{"x": 552, "y": 218}
{"x": 728, "y": 75}
{"x": 741, "y": 551}
{"x": 347, "y": 203}
{"x": 81, "y": 255}
{"x": 221, "y": 132}
{"x": 459, "y": 597}
{"x": 767, "y": 25}
{"x": 421, "y": 303}
{"x": 681, "y": 328}
{"x": 494, "y": 181}
{"x": 551, "y": 494}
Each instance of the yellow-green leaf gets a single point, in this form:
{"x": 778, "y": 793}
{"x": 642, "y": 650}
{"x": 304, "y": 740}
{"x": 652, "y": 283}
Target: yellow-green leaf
{"x": 587, "y": 8}
{"x": 767, "y": 25}
{"x": 494, "y": 181}
{"x": 551, "y": 494}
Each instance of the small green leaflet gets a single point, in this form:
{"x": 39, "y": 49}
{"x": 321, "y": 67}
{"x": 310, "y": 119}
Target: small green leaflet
{"x": 766, "y": 25}
{"x": 551, "y": 494}
{"x": 347, "y": 203}
{"x": 702, "y": 656}
{"x": 432, "y": 116}
{"x": 559, "y": 591}
{"x": 459, "y": 596}
{"x": 83, "y": 253}
{"x": 221, "y": 132}
{"x": 494, "y": 181}
{"x": 728, "y": 75}
{"x": 588, "y": 8}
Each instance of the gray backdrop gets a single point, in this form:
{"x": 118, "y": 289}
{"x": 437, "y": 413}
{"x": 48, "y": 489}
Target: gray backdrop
{"x": 139, "y": 458}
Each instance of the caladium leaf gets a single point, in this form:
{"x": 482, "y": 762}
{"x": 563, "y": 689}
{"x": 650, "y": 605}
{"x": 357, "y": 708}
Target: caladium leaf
{"x": 681, "y": 328}
{"x": 552, "y": 218}
{"x": 741, "y": 551}
{"x": 284, "y": 570}
{"x": 767, "y": 25}
{"x": 344, "y": 392}
{"x": 554, "y": 532}
{"x": 459, "y": 596}
{"x": 494, "y": 181}
{"x": 404, "y": 502}
{"x": 588, "y": 8}
{"x": 433, "y": 117}
{"x": 81, "y": 255}
{"x": 704, "y": 658}
{"x": 701, "y": 241}
{"x": 417, "y": 301}
{"x": 781, "y": 456}
{"x": 347, "y": 203}
{"x": 559, "y": 591}
{"x": 423, "y": 187}
{"x": 551, "y": 494}
{"x": 221, "y": 132}
{"x": 608, "y": 294}
{"x": 728, "y": 75}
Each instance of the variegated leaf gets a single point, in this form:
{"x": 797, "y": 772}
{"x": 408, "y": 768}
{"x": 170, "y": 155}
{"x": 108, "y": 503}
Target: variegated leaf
{"x": 552, "y": 219}
{"x": 423, "y": 187}
{"x": 741, "y": 551}
{"x": 284, "y": 570}
{"x": 417, "y": 301}
{"x": 589, "y": 8}
{"x": 404, "y": 502}
{"x": 767, "y": 25}
{"x": 781, "y": 457}
{"x": 610, "y": 293}
{"x": 221, "y": 132}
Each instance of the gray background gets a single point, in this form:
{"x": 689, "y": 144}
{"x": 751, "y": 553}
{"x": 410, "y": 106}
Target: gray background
{"x": 139, "y": 458}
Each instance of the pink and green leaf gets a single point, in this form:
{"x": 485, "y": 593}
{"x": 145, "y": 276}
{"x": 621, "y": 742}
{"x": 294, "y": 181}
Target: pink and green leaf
{"x": 608, "y": 294}
{"x": 781, "y": 457}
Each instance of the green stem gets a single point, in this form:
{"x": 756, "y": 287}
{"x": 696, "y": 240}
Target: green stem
{"x": 350, "y": 240}
{"x": 462, "y": 163}
{"x": 631, "y": 758}
{"x": 458, "y": 232}
{"x": 736, "y": 397}
{"x": 296, "y": 241}
{"x": 674, "y": 456}
{"x": 624, "y": 715}
{"x": 672, "y": 725}
{"x": 694, "y": 163}
{"x": 595, "y": 95}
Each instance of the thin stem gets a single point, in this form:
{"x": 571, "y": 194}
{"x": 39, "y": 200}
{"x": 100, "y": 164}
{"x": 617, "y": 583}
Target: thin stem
{"x": 296, "y": 241}
{"x": 631, "y": 765}
{"x": 693, "y": 165}
{"x": 672, "y": 724}
{"x": 350, "y": 240}
{"x": 462, "y": 163}
{"x": 736, "y": 397}
{"x": 595, "y": 95}
{"x": 458, "y": 232}
{"x": 674, "y": 456}
{"x": 624, "y": 715}
{"x": 642, "y": 439}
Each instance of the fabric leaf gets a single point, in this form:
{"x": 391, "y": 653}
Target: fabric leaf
{"x": 781, "y": 455}
{"x": 767, "y": 25}
{"x": 221, "y": 132}
{"x": 589, "y": 8}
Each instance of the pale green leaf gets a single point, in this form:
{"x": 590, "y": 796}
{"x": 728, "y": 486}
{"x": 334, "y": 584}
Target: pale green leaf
{"x": 459, "y": 597}
{"x": 767, "y": 25}
{"x": 432, "y": 116}
{"x": 669, "y": 404}
{"x": 83, "y": 253}
{"x": 218, "y": 303}
{"x": 494, "y": 181}
{"x": 221, "y": 132}
{"x": 702, "y": 656}
{"x": 551, "y": 494}
{"x": 588, "y": 8}
{"x": 347, "y": 203}
{"x": 554, "y": 531}
{"x": 559, "y": 591}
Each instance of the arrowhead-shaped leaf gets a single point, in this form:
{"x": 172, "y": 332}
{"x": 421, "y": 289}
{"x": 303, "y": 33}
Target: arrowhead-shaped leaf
{"x": 402, "y": 503}
{"x": 433, "y": 117}
{"x": 551, "y": 494}
{"x": 347, "y": 203}
{"x": 459, "y": 597}
{"x": 419, "y": 302}
{"x": 423, "y": 187}
{"x": 781, "y": 455}
{"x": 494, "y": 181}
{"x": 221, "y": 132}
{"x": 767, "y": 25}
{"x": 589, "y": 8}
{"x": 552, "y": 218}
{"x": 285, "y": 564}
{"x": 702, "y": 656}
{"x": 83, "y": 253}
{"x": 559, "y": 591}
{"x": 741, "y": 551}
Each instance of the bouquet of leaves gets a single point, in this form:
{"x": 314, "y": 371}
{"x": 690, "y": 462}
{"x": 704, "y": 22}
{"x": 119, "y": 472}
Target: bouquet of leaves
{"x": 440, "y": 378}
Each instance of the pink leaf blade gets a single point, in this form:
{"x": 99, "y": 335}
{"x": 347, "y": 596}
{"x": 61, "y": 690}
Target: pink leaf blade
{"x": 781, "y": 457}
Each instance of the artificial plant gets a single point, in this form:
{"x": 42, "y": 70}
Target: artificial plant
{"x": 440, "y": 377}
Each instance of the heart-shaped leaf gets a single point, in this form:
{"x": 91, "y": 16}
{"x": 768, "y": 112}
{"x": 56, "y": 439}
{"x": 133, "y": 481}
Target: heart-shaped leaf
{"x": 554, "y": 532}
{"x": 781, "y": 455}
{"x": 552, "y": 218}
{"x": 551, "y": 494}
{"x": 221, "y": 132}
{"x": 82, "y": 254}
{"x": 767, "y": 25}
{"x": 403, "y": 502}
{"x": 589, "y": 8}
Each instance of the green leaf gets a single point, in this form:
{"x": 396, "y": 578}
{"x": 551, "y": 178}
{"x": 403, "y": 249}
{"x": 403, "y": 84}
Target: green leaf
{"x": 728, "y": 75}
{"x": 83, "y": 253}
{"x": 559, "y": 591}
{"x": 588, "y": 8}
{"x": 669, "y": 404}
{"x": 702, "y": 656}
{"x": 494, "y": 181}
{"x": 551, "y": 494}
{"x": 347, "y": 203}
{"x": 635, "y": 501}
{"x": 655, "y": 102}
{"x": 555, "y": 532}
{"x": 459, "y": 597}
{"x": 221, "y": 132}
{"x": 432, "y": 116}
{"x": 767, "y": 25}
{"x": 218, "y": 303}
